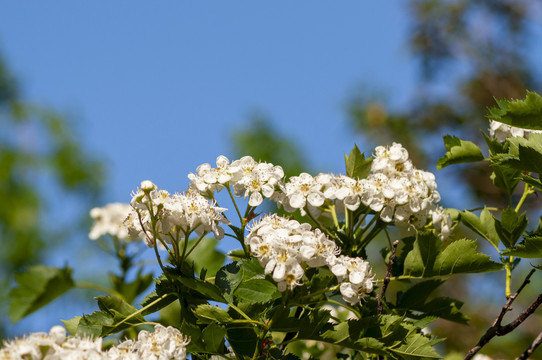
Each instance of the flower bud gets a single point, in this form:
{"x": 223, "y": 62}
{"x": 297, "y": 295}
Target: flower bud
{"x": 147, "y": 186}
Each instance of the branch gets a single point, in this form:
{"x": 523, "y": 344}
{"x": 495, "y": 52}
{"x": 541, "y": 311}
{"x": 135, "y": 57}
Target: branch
{"x": 496, "y": 328}
{"x": 530, "y": 350}
{"x": 387, "y": 278}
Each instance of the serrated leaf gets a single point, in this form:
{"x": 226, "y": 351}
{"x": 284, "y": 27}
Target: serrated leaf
{"x": 205, "y": 255}
{"x": 483, "y": 226}
{"x": 213, "y": 313}
{"x": 213, "y": 336}
{"x": 416, "y": 346}
{"x": 530, "y": 248}
{"x": 257, "y": 291}
{"x": 357, "y": 167}
{"x": 511, "y": 226}
{"x": 36, "y": 288}
{"x": 427, "y": 259}
{"x": 524, "y": 154}
{"x": 458, "y": 151}
{"x": 96, "y": 324}
{"x": 525, "y": 114}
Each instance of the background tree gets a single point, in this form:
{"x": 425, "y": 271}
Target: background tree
{"x": 41, "y": 159}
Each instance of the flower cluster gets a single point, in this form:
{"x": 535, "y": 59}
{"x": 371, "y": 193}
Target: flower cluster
{"x": 283, "y": 246}
{"x": 110, "y": 220}
{"x": 163, "y": 344}
{"x": 156, "y": 213}
{"x": 248, "y": 178}
{"x": 500, "y": 131}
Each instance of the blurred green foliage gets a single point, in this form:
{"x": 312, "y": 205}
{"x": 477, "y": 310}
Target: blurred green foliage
{"x": 40, "y": 159}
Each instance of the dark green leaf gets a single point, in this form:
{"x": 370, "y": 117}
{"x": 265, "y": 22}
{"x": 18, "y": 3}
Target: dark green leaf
{"x": 530, "y": 248}
{"x": 256, "y": 291}
{"x": 418, "y": 294}
{"x": 357, "y": 167}
{"x": 36, "y": 288}
{"x": 119, "y": 308}
{"x": 445, "y": 308}
{"x": 483, "y": 226}
{"x": 310, "y": 326}
{"x": 213, "y": 336}
{"x": 536, "y": 183}
{"x": 458, "y": 151}
{"x": 511, "y": 226}
{"x": 231, "y": 275}
{"x": 243, "y": 340}
{"x": 525, "y": 114}
{"x": 204, "y": 288}
{"x": 213, "y": 313}
{"x": 97, "y": 324}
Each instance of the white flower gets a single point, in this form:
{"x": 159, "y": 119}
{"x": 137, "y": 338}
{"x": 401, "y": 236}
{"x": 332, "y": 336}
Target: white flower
{"x": 500, "y": 131}
{"x": 110, "y": 220}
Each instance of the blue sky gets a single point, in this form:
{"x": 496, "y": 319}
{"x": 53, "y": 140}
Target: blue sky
{"x": 186, "y": 75}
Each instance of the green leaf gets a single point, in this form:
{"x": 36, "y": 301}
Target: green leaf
{"x": 96, "y": 324}
{"x": 427, "y": 259}
{"x": 525, "y": 114}
{"x": 458, "y": 151}
{"x": 418, "y": 293}
{"x": 257, "y": 291}
{"x": 312, "y": 325}
{"x": 213, "y": 336}
{"x": 36, "y": 288}
{"x": 119, "y": 308}
{"x": 530, "y": 248}
{"x": 536, "y": 183}
{"x": 242, "y": 339}
{"x": 524, "y": 154}
{"x": 416, "y": 346}
{"x": 231, "y": 275}
{"x": 72, "y": 324}
{"x": 205, "y": 255}
{"x": 445, "y": 308}
{"x": 213, "y": 313}
{"x": 511, "y": 226}
{"x": 357, "y": 167}
{"x": 483, "y": 226}
{"x": 206, "y": 289}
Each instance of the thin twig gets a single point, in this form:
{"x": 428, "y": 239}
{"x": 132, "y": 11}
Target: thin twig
{"x": 496, "y": 328}
{"x": 530, "y": 350}
{"x": 387, "y": 278}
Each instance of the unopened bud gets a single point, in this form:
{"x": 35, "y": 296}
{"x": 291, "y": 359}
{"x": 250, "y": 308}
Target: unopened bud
{"x": 147, "y": 186}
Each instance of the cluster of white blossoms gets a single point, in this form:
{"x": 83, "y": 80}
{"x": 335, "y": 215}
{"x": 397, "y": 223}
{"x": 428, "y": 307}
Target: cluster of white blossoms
{"x": 163, "y": 344}
{"x": 248, "y": 178}
{"x": 501, "y": 131}
{"x": 109, "y": 220}
{"x": 283, "y": 246}
{"x": 157, "y": 212}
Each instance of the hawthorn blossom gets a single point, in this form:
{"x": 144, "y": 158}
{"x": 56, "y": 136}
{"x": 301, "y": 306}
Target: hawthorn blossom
{"x": 157, "y": 213}
{"x": 110, "y": 220}
{"x": 501, "y": 131}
